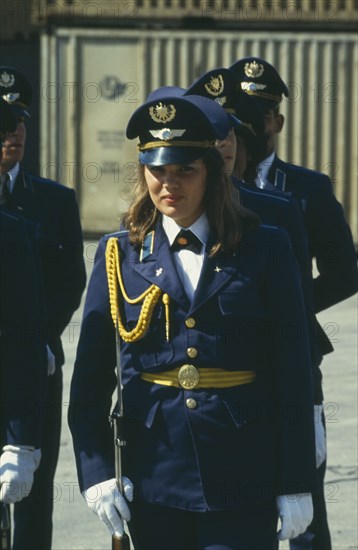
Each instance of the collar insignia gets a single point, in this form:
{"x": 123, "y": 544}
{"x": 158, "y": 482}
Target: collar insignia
{"x": 147, "y": 246}
{"x": 162, "y": 113}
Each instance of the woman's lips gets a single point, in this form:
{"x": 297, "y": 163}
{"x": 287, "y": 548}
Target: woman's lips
{"x": 172, "y": 199}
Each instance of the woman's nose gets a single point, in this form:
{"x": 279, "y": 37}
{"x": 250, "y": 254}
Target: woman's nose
{"x": 171, "y": 180}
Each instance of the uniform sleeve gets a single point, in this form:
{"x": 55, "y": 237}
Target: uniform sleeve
{"x": 293, "y": 372}
{"x": 66, "y": 267}
{"x": 332, "y": 246}
{"x": 22, "y": 346}
{"x": 94, "y": 382}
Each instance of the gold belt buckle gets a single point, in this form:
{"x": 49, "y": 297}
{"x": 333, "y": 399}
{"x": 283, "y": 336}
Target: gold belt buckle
{"x": 188, "y": 377}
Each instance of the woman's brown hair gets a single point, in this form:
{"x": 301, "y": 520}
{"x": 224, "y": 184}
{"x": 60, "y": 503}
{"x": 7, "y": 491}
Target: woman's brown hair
{"x": 227, "y": 219}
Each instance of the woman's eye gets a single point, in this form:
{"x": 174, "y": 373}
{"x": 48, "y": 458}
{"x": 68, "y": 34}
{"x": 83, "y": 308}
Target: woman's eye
{"x": 155, "y": 169}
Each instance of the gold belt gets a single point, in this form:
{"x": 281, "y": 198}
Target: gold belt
{"x": 190, "y": 377}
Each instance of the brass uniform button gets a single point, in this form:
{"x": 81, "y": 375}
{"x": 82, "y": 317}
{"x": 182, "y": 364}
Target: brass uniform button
{"x": 188, "y": 377}
{"x": 190, "y": 322}
{"x": 192, "y": 353}
{"x": 191, "y": 403}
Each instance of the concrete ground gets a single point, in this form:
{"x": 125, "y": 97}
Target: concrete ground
{"x": 76, "y": 527}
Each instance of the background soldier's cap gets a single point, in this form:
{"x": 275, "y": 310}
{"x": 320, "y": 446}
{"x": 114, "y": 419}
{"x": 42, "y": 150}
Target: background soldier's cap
{"x": 15, "y": 89}
{"x": 220, "y": 85}
{"x": 7, "y": 118}
{"x": 246, "y": 114}
{"x": 175, "y": 129}
{"x": 165, "y": 91}
{"x": 257, "y": 77}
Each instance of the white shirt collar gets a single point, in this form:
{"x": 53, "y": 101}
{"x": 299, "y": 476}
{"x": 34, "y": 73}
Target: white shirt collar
{"x": 13, "y": 173}
{"x": 265, "y": 165}
{"x": 200, "y": 228}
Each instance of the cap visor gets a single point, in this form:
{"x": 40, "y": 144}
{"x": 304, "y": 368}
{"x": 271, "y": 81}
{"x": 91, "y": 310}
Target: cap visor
{"x": 234, "y": 121}
{"x": 171, "y": 155}
{"x": 20, "y": 111}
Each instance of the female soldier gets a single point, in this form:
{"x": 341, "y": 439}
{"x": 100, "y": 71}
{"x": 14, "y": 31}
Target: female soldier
{"x": 214, "y": 354}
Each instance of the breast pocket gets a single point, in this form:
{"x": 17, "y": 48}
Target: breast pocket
{"x": 153, "y": 349}
{"x": 240, "y": 334}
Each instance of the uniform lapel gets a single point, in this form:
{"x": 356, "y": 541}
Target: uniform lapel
{"x": 158, "y": 268}
{"x": 22, "y": 193}
{"x": 215, "y": 274}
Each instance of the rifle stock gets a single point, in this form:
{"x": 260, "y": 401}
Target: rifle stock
{"x": 122, "y": 543}
{"x": 117, "y": 419}
{"x": 5, "y": 528}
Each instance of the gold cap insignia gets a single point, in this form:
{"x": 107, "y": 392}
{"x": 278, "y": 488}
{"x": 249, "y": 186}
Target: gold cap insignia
{"x": 7, "y": 80}
{"x": 166, "y": 133}
{"x": 216, "y": 85}
{"x": 254, "y": 69}
{"x": 162, "y": 113}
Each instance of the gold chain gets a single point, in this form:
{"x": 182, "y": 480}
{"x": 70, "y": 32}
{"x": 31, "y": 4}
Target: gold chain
{"x": 150, "y": 297}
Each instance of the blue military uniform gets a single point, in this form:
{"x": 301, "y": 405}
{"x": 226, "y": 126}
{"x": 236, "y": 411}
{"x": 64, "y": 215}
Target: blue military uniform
{"x": 23, "y": 359}
{"x": 54, "y": 208}
{"x": 217, "y": 387}
{"x": 23, "y": 351}
{"x": 282, "y": 209}
{"x": 229, "y": 431}
{"x": 329, "y": 236}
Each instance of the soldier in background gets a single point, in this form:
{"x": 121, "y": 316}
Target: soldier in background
{"x": 54, "y": 208}
{"x": 329, "y": 240}
{"x": 23, "y": 361}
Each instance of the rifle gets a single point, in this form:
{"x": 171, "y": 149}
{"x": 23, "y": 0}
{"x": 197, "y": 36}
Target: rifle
{"x": 5, "y": 540}
{"x": 117, "y": 419}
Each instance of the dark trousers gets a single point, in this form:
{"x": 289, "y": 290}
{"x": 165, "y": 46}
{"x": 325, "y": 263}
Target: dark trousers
{"x": 33, "y": 515}
{"x": 317, "y": 536}
{"x": 161, "y": 528}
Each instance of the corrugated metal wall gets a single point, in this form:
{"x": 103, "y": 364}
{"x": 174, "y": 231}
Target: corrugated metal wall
{"x": 320, "y": 69}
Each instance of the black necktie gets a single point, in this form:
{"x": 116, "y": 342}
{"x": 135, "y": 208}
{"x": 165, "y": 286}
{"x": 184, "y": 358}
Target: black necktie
{"x": 186, "y": 240}
{"x": 4, "y": 190}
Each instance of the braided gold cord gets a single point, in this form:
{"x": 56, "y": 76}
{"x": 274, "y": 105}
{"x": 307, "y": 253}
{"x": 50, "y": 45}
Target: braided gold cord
{"x": 150, "y": 297}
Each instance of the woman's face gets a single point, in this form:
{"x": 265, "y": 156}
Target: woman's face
{"x": 227, "y": 149}
{"x": 178, "y": 190}
{"x": 242, "y": 157}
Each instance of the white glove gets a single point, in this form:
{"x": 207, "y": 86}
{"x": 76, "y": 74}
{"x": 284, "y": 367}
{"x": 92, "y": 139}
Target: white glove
{"x": 106, "y": 501}
{"x": 296, "y": 513}
{"x": 320, "y": 436}
{"x": 17, "y": 467}
{"x": 51, "y": 362}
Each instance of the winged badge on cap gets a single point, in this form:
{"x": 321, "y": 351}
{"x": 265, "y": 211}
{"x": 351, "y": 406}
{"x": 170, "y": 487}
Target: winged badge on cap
{"x": 166, "y": 133}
